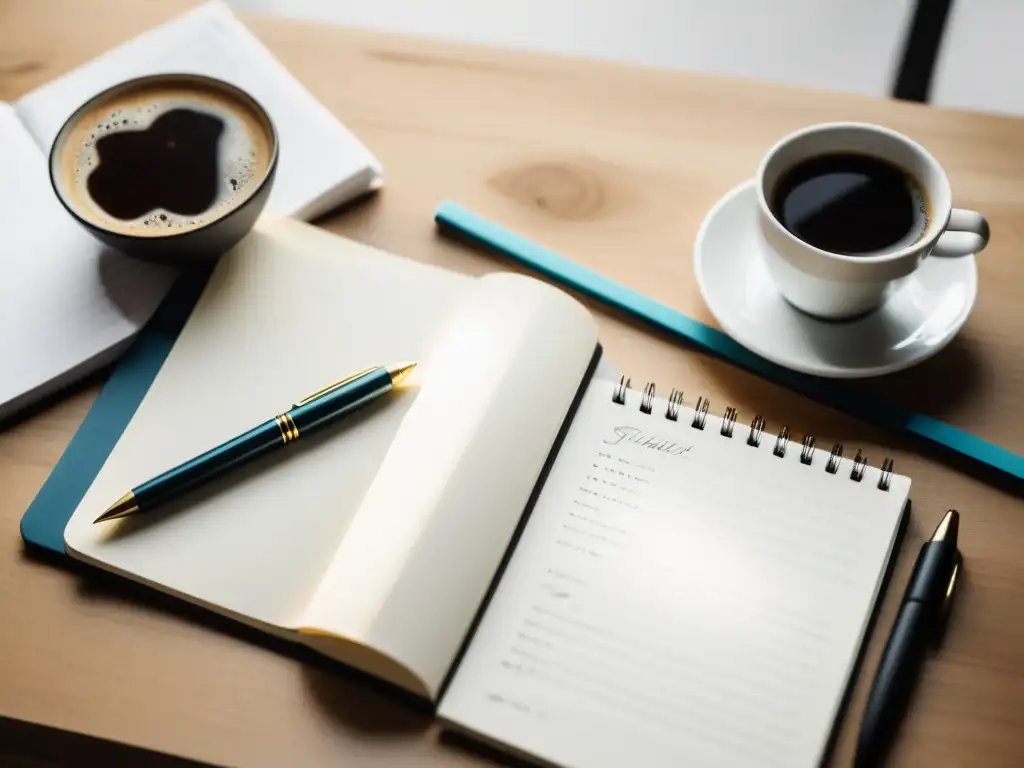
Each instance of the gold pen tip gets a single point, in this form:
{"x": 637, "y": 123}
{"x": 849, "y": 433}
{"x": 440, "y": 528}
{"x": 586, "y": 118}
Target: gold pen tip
{"x": 400, "y": 372}
{"x": 948, "y": 528}
{"x": 123, "y": 507}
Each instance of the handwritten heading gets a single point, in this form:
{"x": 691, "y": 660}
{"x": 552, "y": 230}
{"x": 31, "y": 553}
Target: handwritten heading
{"x": 644, "y": 440}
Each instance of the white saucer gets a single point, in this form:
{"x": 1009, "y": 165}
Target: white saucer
{"x": 915, "y": 323}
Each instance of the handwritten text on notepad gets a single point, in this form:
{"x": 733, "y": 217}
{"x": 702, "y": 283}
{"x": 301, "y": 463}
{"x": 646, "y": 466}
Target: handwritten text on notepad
{"x": 644, "y": 440}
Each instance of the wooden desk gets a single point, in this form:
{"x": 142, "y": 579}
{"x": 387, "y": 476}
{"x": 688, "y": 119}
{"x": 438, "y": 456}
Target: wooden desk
{"x": 613, "y": 166}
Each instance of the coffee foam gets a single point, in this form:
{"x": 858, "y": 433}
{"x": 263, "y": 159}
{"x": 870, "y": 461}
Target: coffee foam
{"x": 922, "y": 215}
{"x": 244, "y": 153}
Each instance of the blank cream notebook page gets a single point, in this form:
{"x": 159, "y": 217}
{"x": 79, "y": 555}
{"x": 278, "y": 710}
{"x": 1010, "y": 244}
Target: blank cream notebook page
{"x": 678, "y": 597}
{"x": 288, "y": 311}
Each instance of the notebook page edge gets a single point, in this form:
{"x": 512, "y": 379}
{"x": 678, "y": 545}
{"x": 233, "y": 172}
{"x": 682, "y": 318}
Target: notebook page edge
{"x": 903, "y": 484}
{"x": 269, "y": 628}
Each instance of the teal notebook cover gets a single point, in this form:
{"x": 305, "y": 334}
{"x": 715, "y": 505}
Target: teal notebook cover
{"x": 43, "y": 523}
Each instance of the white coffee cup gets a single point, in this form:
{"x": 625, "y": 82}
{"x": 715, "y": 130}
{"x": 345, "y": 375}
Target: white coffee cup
{"x": 836, "y": 286}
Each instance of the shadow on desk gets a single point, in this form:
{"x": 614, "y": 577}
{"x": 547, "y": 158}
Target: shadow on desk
{"x": 350, "y": 700}
{"x": 27, "y": 745}
{"x": 353, "y": 700}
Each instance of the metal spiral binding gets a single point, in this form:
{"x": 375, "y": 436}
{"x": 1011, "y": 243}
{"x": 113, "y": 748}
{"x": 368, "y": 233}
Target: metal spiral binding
{"x": 619, "y": 395}
{"x": 886, "y": 477}
{"x": 647, "y": 402}
{"x": 860, "y": 463}
{"x": 675, "y": 400}
{"x": 700, "y": 413}
{"x": 807, "y": 452}
{"x": 729, "y": 421}
{"x": 781, "y": 442}
{"x": 756, "y": 433}
{"x": 834, "y": 458}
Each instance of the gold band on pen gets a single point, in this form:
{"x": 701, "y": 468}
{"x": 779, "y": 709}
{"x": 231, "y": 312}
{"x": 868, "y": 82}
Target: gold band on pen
{"x": 287, "y": 426}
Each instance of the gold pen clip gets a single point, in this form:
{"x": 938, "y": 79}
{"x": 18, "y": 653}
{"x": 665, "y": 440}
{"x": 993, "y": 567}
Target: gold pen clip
{"x": 335, "y": 385}
{"x": 951, "y": 588}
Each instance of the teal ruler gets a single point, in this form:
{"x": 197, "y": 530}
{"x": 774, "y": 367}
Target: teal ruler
{"x": 456, "y": 220}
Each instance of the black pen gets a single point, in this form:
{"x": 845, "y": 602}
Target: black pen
{"x": 924, "y": 603}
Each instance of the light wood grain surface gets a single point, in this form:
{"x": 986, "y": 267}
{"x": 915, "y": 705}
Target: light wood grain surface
{"x": 614, "y": 167}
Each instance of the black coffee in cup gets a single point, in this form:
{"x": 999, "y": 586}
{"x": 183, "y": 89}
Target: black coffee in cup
{"x": 163, "y": 155}
{"x": 171, "y": 166}
{"x": 851, "y": 204}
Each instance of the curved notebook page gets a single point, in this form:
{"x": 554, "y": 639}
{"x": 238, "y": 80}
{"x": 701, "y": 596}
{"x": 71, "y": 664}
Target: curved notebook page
{"x": 421, "y": 552}
{"x": 678, "y": 597}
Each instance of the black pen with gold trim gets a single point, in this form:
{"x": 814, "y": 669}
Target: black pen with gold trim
{"x": 318, "y": 410}
{"x": 918, "y": 623}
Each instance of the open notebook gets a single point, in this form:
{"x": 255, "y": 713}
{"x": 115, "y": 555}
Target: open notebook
{"x": 69, "y": 305}
{"x": 676, "y": 595}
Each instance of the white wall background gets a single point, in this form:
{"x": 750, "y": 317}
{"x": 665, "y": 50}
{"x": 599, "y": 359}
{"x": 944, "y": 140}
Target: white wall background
{"x": 845, "y": 45}
{"x": 981, "y": 61}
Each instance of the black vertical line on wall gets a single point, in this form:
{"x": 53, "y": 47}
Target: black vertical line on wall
{"x": 921, "y": 50}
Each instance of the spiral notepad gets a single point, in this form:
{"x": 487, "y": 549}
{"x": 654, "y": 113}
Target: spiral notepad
{"x": 755, "y": 433}
{"x": 688, "y": 590}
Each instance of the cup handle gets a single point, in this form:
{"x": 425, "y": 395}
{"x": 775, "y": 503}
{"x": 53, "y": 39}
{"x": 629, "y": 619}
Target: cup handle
{"x": 966, "y": 232}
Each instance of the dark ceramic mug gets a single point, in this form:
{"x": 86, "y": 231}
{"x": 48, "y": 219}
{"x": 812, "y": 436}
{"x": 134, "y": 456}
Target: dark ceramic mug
{"x": 172, "y": 168}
